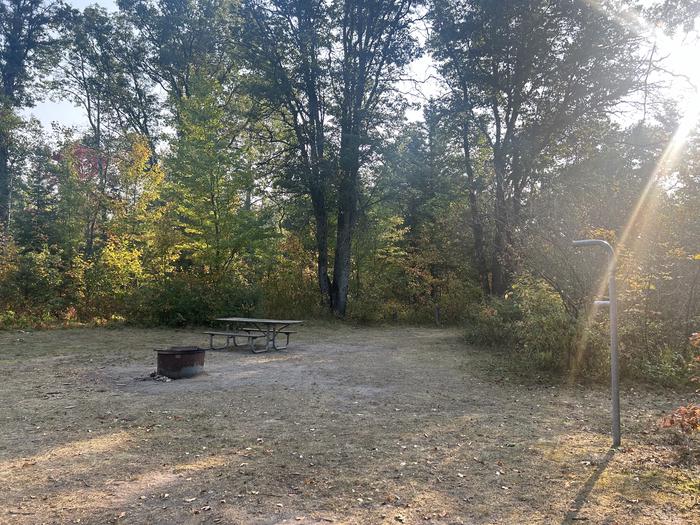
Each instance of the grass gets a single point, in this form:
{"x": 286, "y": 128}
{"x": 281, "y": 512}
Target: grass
{"x": 350, "y": 425}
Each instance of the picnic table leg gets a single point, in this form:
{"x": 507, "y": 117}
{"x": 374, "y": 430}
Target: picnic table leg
{"x": 276, "y": 333}
{"x": 286, "y": 343}
{"x": 231, "y": 338}
{"x": 211, "y": 344}
{"x": 269, "y": 342}
{"x": 252, "y": 341}
{"x": 252, "y": 347}
{"x": 266, "y": 330}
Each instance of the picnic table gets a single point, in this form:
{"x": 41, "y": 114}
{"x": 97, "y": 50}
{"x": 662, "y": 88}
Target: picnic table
{"x": 251, "y": 329}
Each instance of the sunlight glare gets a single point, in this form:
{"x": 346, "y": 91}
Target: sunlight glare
{"x": 681, "y": 60}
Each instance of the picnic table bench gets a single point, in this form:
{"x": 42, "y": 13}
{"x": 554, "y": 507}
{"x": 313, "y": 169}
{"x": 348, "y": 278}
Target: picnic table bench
{"x": 252, "y": 329}
{"x": 231, "y": 337}
{"x": 286, "y": 333}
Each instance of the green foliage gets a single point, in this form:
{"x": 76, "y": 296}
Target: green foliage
{"x": 28, "y": 47}
{"x": 38, "y": 278}
{"x": 492, "y": 324}
{"x": 546, "y": 333}
{"x": 531, "y": 323}
{"x": 36, "y": 287}
{"x": 289, "y": 288}
{"x": 109, "y": 281}
{"x": 666, "y": 366}
{"x": 183, "y": 299}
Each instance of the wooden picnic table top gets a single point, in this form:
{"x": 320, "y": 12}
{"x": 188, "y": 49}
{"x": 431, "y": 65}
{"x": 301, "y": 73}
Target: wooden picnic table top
{"x": 261, "y": 321}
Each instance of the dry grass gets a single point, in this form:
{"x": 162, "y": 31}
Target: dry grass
{"x": 350, "y": 425}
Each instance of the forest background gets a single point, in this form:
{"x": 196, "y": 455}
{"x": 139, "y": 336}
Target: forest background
{"x": 254, "y": 157}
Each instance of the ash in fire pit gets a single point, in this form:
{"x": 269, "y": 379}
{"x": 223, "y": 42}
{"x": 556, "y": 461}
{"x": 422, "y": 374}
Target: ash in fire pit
{"x": 178, "y": 362}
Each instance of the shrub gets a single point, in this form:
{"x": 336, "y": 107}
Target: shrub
{"x": 667, "y": 365}
{"x": 456, "y": 291}
{"x": 545, "y": 332}
{"x": 532, "y": 324}
{"x": 184, "y": 299}
{"x": 493, "y": 323}
{"x": 290, "y": 287}
{"x": 686, "y": 418}
{"x": 111, "y": 280}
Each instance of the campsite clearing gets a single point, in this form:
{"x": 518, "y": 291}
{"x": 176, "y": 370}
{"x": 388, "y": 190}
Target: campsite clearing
{"x": 349, "y": 425}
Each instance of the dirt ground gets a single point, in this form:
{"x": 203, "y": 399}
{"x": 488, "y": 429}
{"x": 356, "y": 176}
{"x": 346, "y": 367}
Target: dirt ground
{"x": 349, "y": 425}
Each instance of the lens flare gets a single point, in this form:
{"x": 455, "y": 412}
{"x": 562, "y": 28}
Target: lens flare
{"x": 682, "y": 59}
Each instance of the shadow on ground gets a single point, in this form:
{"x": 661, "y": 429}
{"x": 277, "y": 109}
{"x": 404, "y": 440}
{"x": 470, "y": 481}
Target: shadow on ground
{"x": 347, "y": 426}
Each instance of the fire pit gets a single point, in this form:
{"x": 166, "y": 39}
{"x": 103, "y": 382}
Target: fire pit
{"x": 178, "y": 362}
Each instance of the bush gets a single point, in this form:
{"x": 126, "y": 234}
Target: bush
{"x": 545, "y": 332}
{"x": 493, "y": 323}
{"x": 530, "y": 322}
{"x": 108, "y": 283}
{"x": 666, "y": 366}
{"x": 183, "y": 299}
{"x": 456, "y": 291}
{"x": 290, "y": 288}
{"x": 687, "y": 418}
{"x": 33, "y": 287}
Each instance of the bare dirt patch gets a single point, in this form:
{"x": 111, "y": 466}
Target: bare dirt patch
{"x": 350, "y": 425}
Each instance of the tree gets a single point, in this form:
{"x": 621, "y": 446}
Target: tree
{"x": 36, "y": 193}
{"x": 376, "y": 45}
{"x": 210, "y": 178}
{"x": 329, "y": 70}
{"x": 675, "y": 13}
{"x": 26, "y": 47}
{"x": 178, "y": 41}
{"x": 288, "y": 45}
{"x": 103, "y": 71}
{"x": 523, "y": 75}
{"x": 86, "y": 77}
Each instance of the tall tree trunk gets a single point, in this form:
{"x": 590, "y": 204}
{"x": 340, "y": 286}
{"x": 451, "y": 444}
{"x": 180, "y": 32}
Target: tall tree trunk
{"x": 5, "y": 183}
{"x": 518, "y": 178}
{"x": 90, "y": 235}
{"x": 6, "y": 125}
{"x": 499, "y": 265}
{"x": 347, "y": 211}
{"x": 347, "y": 204}
{"x": 318, "y": 200}
{"x": 475, "y": 216}
{"x": 312, "y": 134}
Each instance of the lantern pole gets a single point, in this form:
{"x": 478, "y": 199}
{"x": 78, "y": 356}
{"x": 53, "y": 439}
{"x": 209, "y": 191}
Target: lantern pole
{"x": 614, "y": 362}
